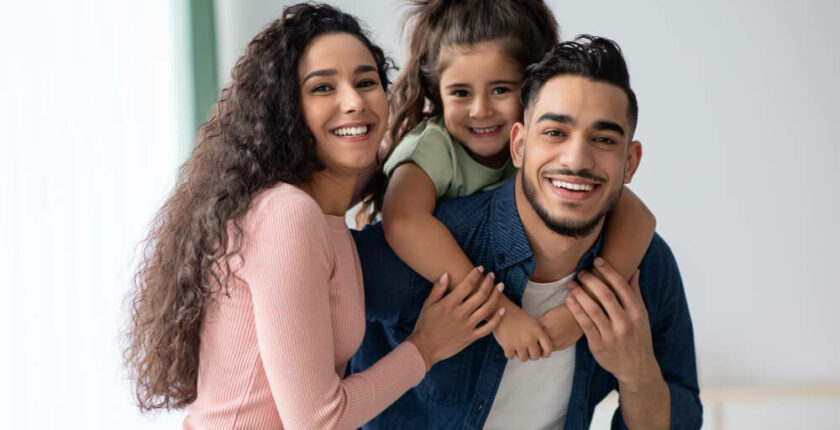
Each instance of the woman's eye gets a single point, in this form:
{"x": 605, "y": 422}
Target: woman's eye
{"x": 322, "y": 88}
{"x": 460, "y": 93}
{"x": 500, "y": 90}
{"x": 367, "y": 83}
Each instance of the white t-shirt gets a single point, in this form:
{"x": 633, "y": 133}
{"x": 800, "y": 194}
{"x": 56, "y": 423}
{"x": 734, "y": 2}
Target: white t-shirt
{"x": 535, "y": 394}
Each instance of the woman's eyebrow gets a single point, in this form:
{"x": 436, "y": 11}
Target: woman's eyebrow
{"x": 364, "y": 68}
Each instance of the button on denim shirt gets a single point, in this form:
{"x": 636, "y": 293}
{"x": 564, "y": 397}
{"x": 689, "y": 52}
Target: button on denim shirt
{"x": 457, "y": 393}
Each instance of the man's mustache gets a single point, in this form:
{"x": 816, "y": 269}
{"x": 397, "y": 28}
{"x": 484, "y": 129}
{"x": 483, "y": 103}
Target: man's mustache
{"x": 585, "y": 174}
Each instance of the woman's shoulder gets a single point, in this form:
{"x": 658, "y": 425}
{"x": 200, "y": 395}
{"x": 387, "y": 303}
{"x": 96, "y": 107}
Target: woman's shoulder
{"x": 288, "y": 205}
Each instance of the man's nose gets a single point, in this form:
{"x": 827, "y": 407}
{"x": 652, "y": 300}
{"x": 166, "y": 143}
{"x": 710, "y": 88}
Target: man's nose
{"x": 482, "y": 107}
{"x": 576, "y": 154}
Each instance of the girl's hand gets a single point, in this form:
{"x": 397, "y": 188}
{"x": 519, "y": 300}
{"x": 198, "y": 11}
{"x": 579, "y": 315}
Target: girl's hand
{"x": 561, "y": 327}
{"x": 522, "y": 336}
{"x": 448, "y": 321}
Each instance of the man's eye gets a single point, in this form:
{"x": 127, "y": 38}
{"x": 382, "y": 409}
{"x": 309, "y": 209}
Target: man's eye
{"x": 605, "y": 140}
{"x": 460, "y": 93}
{"x": 554, "y": 133}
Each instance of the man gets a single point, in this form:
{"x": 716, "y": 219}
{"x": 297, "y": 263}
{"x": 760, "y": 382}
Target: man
{"x": 574, "y": 152}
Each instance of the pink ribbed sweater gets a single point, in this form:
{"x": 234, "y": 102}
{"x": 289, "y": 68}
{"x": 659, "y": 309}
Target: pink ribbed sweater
{"x": 273, "y": 352}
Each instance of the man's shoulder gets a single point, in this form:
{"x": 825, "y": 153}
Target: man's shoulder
{"x": 660, "y": 280}
{"x": 468, "y": 210}
{"x": 658, "y": 257}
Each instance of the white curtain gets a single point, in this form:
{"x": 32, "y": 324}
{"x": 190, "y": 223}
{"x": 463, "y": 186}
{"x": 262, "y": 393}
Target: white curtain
{"x": 94, "y": 120}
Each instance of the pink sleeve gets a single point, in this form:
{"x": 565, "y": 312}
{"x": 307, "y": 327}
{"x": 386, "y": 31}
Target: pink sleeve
{"x": 287, "y": 266}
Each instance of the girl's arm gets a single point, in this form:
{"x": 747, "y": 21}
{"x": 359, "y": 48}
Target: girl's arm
{"x": 414, "y": 234}
{"x": 626, "y": 238}
{"x": 428, "y": 247}
{"x": 628, "y": 234}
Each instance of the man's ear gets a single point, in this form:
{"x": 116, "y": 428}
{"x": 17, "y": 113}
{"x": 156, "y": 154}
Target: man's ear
{"x": 517, "y": 144}
{"x": 634, "y": 157}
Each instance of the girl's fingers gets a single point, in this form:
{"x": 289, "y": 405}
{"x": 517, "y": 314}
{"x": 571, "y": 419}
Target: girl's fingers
{"x": 545, "y": 344}
{"x": 534, "y": 351}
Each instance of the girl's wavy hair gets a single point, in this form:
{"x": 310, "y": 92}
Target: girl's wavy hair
{"x": 255, "y": 138}
{"x": 526, "y": 30}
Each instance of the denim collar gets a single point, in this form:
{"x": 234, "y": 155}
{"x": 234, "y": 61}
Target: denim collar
{"x": 509, "y": 244}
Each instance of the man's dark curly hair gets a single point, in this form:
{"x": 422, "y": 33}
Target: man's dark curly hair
{"x": 596, "y": 58}
{"x": 255, "y": 138}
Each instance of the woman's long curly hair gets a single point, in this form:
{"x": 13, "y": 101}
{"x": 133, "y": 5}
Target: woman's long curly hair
{"x": 255, "y": 138}
{"x": 526, "y": 30}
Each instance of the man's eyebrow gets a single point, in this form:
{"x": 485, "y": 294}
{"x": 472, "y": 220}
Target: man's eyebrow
{"x": 556, "y": 117}
{"x": 608, "y": 126}
{"x": 364, "y": 68}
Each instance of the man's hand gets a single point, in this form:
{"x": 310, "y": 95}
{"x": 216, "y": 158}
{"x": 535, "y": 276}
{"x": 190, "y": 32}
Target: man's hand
{"x": 561, "y": 327}
{"x": 520, "y": 334}
{"x": 619, "y": 337}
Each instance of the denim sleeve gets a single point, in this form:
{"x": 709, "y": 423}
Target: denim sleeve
{"x": 673, "y": 337}
{"x": 392, "y": 290}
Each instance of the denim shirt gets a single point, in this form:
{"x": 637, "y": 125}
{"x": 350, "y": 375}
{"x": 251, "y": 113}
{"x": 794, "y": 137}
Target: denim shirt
{"x": 457, "y": 393}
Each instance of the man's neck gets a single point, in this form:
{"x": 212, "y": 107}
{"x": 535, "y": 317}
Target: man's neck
{"x": 557, "y": 255}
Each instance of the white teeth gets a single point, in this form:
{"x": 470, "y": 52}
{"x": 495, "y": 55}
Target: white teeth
{"x": 570, "y": 186}
{"x": 351, "y": 131}
{"x": 486, "y": 129}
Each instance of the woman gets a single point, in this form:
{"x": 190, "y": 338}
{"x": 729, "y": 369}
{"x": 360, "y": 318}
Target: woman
{"x": 249, "y": 300}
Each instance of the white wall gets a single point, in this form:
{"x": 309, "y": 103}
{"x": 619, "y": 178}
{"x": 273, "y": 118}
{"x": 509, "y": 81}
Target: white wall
{"x": 94, "y": 118}
{"x": 741, "y": 161}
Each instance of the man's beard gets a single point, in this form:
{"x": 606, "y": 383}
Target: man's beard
{"x": 567, "y": 227}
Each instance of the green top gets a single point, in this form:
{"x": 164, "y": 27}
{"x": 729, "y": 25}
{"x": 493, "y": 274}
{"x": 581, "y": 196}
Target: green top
{"x": 454, "y": 173}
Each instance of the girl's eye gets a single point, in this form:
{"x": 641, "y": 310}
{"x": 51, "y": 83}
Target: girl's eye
{"x": 322, "y": 88}
{"x": 500, "y": 90}
{"x": 460, "y": 93}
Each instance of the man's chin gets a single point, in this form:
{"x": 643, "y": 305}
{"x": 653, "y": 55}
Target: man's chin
{"x": 570, "y": 228}
{"x": 566, "y": 225}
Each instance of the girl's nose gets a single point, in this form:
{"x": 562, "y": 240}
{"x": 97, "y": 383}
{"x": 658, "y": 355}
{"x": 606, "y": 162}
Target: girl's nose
{"x": 482, "y": 107}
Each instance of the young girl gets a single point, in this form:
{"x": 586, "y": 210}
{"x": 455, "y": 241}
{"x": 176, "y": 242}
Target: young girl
{"x": 454, "y": 105}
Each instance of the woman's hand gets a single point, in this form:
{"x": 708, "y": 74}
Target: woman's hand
{"x": 448, "y": 321}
